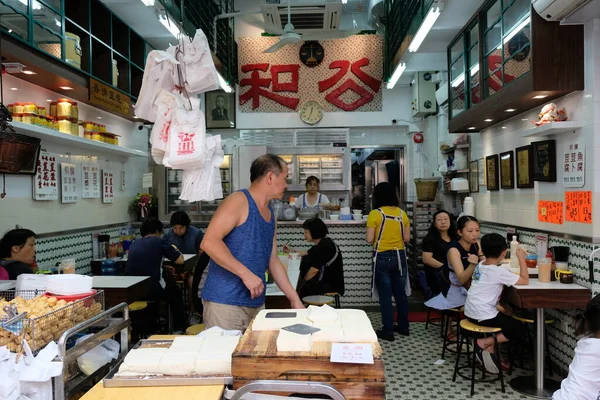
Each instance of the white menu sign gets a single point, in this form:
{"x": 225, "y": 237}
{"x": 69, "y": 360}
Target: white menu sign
{"x": 573, "y": 163}
{"x": 108, "y": 195}
{"x": 45, "y": 184}
{"x": 123, "y": 180}
{"x": 90, "y": 176}
{"x": 69, "y": 183}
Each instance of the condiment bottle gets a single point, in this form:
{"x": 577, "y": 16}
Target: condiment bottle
{"x": 514, "y": 245}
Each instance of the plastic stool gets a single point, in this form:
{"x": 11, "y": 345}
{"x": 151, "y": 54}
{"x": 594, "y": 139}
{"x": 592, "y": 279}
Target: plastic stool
{"x": 447, "y": 316}
{"x": 318, "y": 300}
{"x": 194, "y": 329}
{"x": 470, "y": 330}
{"x": 336, "y": 296}
{"x": 137, "y": 320}
{"x": 138, "y": 305}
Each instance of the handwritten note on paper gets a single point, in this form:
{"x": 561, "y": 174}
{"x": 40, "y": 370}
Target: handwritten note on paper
{"x": 551, "y": 212}
{"x": 579, "y": 207}
{"x": 352, "y": 353}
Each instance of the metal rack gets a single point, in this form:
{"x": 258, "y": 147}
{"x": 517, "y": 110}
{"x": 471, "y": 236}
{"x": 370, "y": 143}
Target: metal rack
{"x": 420, "y": 214}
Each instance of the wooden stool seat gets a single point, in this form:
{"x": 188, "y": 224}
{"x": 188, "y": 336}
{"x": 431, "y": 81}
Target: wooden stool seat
{"x": 318, "y": 300}
{"x": 336, "y": 296}
{"x": 138, "y": 305}
{"x": 194, "y": 329}
{"x": 472, "y": 327}
{"x": 530, "y": 320}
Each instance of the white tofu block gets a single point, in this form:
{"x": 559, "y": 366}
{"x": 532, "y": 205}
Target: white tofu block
{"x": 178, "y": 363}
{"x": 143, "y": 361}
{"x": 359, "y": 335}
{"x": 188, "y": 344}
{"x": 213, "y": 364}
{"x": 219, "y": 345}
{"x": 274, "y": 324}
{"x": 332, "y": 332}
{"x": 290, "y": 341}
{"x": 324, "y": 313}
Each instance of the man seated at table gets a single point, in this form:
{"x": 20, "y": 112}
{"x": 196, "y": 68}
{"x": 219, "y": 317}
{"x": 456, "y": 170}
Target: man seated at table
{"x": 145, "y": 259}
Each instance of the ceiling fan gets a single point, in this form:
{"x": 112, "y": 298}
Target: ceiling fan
{"x": 289, "y": 36}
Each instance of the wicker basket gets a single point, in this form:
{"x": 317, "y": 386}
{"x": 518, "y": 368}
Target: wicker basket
{"x": 426, "y": 189}
{"x": 17, "y": 152}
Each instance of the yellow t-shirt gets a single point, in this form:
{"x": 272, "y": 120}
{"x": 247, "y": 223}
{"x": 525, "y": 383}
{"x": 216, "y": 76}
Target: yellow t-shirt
{"x": 391, "y": 238}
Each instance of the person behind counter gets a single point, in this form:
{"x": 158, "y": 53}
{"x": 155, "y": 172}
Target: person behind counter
{"x": 182, "y": 235}
{"x": 435, "y": 248}
{"x": 322, "y": 265}
{"x": 145, "y": 259}
{"x": 388, "y": 228}
{"x": 312, "y": 198}
{"x": 240, "y": 241}
{"x": 17, "y": 253}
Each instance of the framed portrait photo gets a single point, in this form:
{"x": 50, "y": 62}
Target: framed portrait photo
{"x": 524, "y": 159}
{"x": 507, "y": 170}
{"x": 544, "y": 161}
{"x": 481, "y": 172}
{"x": 220, "y": 110}
{"x": 491, "y": 172}
{"x": 474, "y": 177}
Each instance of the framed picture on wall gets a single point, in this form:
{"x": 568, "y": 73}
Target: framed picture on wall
{"x": 544, "y": 161}
{"x": 524, "y": 159}
{"x": 507, "y": 170}
{"x": 481, "y": 172}
{"x": 474, "y": 176}
{"x": 220, "y": 110}
{"x": 491, "y": 172}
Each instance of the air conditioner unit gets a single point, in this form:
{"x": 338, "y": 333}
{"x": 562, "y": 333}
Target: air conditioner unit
{"x": 557, "y": 10}
{"x": 306, "y": 16}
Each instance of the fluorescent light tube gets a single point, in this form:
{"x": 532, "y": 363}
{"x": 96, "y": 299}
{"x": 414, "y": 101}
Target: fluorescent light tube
{"x": 396, "y": 75}
{"x": 148, "y": 3}
{"x": 514, "y": 32}
{"x": 224, "y": 85}
{"x": 432, "y": 16}
{"x": 170, "y": 25}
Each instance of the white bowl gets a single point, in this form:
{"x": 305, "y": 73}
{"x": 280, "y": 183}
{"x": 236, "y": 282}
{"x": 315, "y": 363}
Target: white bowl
{"x": 334, "y": 217}
{"x": 174, "y": 190}
{"x": 356, "y": 211}
{"x": 177, "y": 201}
{"x": 365, "y": 217}
{"x": 357, "y": 217}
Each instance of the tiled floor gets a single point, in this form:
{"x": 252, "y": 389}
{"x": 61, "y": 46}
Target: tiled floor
{"x": 412, "y": 375}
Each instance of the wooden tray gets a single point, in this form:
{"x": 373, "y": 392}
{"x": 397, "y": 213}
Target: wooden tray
{"x": 256, "y": 358}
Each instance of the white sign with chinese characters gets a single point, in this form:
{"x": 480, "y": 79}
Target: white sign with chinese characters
{"x": 45, "y": 184}
{"x": 352, "y": 353}
{"x": 90, "y": 176}
{"x": 573, "y": 163}
{"x": 108, "y": 195}
{"x": 69, "y": 183}
{"x": 123, "y": 186}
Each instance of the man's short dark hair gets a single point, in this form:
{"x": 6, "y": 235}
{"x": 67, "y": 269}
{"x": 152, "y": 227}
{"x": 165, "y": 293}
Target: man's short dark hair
{"x": 220, "y": 96}
{"x": 180, "y": 218}
{"x": 316, "y": 227}
{"x": 265, "y": 164}
{"x": 493, "y": 244}
{"x": 151, "y": 226}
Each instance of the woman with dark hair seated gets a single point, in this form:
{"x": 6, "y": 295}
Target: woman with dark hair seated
{"x": 17, "y": 253}
{"x": 322, "y": 268}
{"x": 436, "y": 244}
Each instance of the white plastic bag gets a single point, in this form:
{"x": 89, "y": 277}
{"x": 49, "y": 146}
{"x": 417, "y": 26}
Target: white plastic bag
{"x": 97, "y": 357}
{"x": 36, "y": 380}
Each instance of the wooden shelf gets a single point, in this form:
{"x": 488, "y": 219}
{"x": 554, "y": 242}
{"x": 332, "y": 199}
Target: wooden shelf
{"x": 552, "y": 128}
{"x": 64, "y": 139}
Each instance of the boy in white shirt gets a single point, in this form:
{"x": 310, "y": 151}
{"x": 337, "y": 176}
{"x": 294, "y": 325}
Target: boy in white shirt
{"x": 489, "y": 279}
{"x": 583, "y": 381}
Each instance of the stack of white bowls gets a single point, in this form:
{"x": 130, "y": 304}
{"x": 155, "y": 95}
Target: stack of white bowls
{"x": 356, "y": 215}
{"x": 345, "y": 214}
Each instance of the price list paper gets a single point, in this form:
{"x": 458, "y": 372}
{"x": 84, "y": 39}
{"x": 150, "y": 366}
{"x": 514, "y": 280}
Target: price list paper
{"x": 45, "y": 183}
{"x": 68, "y": 183}
{"x": 551, "y": 212}
{"x": 90, "y": 176}
{"x": 579, "y": 207}
{"x": 108, "y": 195}
{"x": 352, "y": 353}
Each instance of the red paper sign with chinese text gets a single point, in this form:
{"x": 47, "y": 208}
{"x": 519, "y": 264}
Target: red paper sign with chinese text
{"x": 579, "y": 207}
{"x": 551, "y": 212}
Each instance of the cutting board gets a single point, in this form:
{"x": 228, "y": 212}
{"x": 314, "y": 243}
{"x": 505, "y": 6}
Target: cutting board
{"x": 256, "y": 358}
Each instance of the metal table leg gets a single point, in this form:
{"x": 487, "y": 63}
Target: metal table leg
{"x": 537, "y": 385}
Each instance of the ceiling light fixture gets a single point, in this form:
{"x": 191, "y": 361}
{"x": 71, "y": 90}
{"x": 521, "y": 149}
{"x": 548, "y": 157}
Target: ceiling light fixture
{"x": 66, "y": 87}
{"x": 148, "y": 3}
{"x": 10, "y": 31}
{"x": 344, "y": 1}
{"x": 28, "y": 72}
{"x": 396, "y": 75}
{"x": 488, "y": 120}
{"x": 503, "y": 127}
{"x": 510, "y": 110}
{"x": 14, "y": 88}
{"x": 432, "y": 16}
{"x": 224, "y": 84}
{"x": 99, "y": 117}
{"x": 49, "y": 100}
{"x": 471, "y": 128}
{"x": 169, "y": 24}
{"x": 540, "y": 96}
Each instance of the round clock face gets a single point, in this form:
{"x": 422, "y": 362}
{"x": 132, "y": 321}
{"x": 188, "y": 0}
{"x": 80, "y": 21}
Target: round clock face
{"x": 516, "y": 43}
{"x": 311, "y": 112}
{"x": 311, "y": 53}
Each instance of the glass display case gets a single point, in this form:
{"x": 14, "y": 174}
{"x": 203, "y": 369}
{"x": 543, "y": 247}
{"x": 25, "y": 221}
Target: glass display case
{"x": 328, "y": 168}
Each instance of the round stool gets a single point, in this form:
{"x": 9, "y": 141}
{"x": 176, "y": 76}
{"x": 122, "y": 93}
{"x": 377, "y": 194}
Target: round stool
{"x": 447, "y": 316}
{"x": 434, "y": 321}
{"x": 136, "y": 319}
{"x": 318, "y": 300}
{"x": 528, "y": 345}
{"x": 336, "y": 297}
{"x": 138, "y": 305}
{"x": 470, "y": 330}
{"x": 194, "y": 329}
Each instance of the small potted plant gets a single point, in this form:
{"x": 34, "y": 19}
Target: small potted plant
{"x": 144, "y": 205}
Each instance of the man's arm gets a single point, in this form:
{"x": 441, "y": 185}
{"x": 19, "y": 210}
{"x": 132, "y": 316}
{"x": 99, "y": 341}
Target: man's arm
{"x": 277, "y": 270}
{"x": 227, "y": 217}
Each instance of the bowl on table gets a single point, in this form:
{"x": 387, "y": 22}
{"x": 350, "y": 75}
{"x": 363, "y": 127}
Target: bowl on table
{"x": 334, "y": 217}
{"x": 307, "y": 214}
{"x": 357, "y": 212}
{"x": 346, "y": 217}
{"x": 357, "y": 217}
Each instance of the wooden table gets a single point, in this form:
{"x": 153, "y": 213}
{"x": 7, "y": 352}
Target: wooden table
{"x": 209, "y": 392}
{"x": 540, "y": 296}
{"x": 122, "y": 289}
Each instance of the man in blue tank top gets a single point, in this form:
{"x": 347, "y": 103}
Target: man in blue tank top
{"x": 240, "y": 241}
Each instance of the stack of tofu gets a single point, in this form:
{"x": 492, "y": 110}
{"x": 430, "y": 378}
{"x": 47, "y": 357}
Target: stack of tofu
{"x": 188, "y": 355}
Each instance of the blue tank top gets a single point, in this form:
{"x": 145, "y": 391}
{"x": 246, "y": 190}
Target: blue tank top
{"x": 251, "y": 244}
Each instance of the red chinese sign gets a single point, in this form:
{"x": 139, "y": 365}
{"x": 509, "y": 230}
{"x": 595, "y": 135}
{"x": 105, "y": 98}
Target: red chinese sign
{"x": 579, "y": 207}
{"x": 551, "y": 212}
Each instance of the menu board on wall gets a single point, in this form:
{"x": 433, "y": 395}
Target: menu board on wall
{"x": 90, "y": 176}
{"x": 573, "y": 163}
{"x": 68, "y": 183}
{"x": 108, "y": 195}
{"x": 45, "y": 183}
{"x": 123, "y": 186}
{"x": 579, "y": 207}
{"x": 551, "y": 212}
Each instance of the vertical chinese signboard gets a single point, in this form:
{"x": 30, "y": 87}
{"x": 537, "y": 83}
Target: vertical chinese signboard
{"x": 573, "y": 163}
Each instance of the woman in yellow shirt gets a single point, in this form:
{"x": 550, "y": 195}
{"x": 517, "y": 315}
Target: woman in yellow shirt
{"x": 388, "y": 228}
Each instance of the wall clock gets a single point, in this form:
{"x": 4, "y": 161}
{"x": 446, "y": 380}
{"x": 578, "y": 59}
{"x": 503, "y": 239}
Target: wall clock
{"x": 311, "y": 112}
{"x": 516, "y": 43}
{"x": 311, "y": 53}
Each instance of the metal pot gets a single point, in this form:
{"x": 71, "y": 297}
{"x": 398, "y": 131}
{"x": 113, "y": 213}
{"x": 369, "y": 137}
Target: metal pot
{"x": 324, "y": 214}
